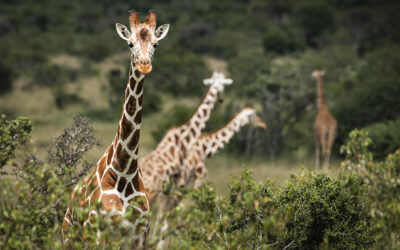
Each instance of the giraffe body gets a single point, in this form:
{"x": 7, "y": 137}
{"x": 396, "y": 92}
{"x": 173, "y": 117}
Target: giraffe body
{"x": 325, "y": 125}
{"x": 116, "y": 182}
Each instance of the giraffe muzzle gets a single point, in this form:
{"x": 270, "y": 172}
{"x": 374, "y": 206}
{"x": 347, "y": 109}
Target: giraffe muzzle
{"x": 144, "y": 66}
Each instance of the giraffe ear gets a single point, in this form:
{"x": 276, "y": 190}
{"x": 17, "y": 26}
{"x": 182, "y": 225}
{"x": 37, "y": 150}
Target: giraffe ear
{"x": 322, "y": 73}
{"x": 162, "y": 31}
{"x": 122, "y": 31}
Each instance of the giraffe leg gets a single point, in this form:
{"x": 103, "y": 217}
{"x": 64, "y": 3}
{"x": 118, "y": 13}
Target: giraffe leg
{"x": 324, "y": 143}
{"x": 160, "y": 215}
{"x": 67, "y": 223}
{"x": 330, "y": 139}
{"x": 170, "y": 202}
{"x": 163, "y": 230}
{"x": 317, "y": 150}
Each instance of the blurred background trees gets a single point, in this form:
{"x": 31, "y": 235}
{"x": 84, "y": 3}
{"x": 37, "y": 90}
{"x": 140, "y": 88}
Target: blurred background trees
{"x": 269, "y": 48}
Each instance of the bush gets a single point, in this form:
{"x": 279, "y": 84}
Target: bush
{"x": 385, "y": 137}
{"x": 383, "y": 179}
{"x": 320, "y": 210}
{"x": 13, "y": 134}
{"x": 309, "y": 212}
{"x": 34, "y": 194}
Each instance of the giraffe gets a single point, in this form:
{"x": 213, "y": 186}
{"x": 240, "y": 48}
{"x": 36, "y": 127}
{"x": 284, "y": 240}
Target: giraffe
{"x": 116, "y": 182}
{"x": 324, "y": 125}
{"x": 193, "y": 169}
{"x": 165, "y": 160}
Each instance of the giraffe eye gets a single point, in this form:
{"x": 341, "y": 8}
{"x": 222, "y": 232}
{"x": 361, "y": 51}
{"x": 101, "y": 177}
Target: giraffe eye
{"x": 155, "y": 45}
{"x": 130, "y": 45}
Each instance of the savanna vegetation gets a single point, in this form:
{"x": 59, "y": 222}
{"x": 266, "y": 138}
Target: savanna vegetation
{"x": 63, "y": 58}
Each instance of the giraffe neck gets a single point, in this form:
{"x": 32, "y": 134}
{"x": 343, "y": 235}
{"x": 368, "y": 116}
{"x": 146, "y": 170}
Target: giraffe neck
{"x": 320, "y": 93}
{"x": 198, "y": 120}
{"x": 125, "y": 145}
{"x": 211, "y": 143}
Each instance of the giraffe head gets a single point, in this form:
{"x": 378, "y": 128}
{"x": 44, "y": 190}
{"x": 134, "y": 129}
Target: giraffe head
{"x": 142, "y": 38}
{"x": 254, "y": 120}
{"x": 317, "y": 73}
{"x": 218, "y": 79}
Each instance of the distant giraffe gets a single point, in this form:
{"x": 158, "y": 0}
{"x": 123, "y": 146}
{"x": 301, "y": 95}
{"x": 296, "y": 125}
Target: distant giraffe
{"x": 324, "y": 125}
{"x": 116, "y": 181}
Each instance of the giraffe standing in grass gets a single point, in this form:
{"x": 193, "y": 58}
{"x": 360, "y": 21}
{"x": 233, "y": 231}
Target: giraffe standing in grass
{"x": 194, "y": 170}
{"x": 116, "y": 182}
{"x": 324, "y": 125}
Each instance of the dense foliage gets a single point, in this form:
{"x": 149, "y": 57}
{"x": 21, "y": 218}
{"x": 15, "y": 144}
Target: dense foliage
{"x": 383, "y": 181}
{"x": 310, "y": 211}
{"x": 12, "y": 135}
{"x": 359, "y": 208}
{"x": 34, "y": 193}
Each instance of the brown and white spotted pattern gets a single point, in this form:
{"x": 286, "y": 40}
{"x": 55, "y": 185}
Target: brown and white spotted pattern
{"x": 325, "y": 125}
{"x": 194, "y": 169}
{"x": 116, "y": 182}
{"x": 165, "y": 161}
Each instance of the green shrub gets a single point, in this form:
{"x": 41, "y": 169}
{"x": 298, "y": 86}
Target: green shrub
{"x": 13, "y": 134}
{"x": 34, "y": 194}
{"x": 320, "y": 210}
{"x": 309, "y": 212}
{"x": 383, "y": 180}
{"x": 385, "y": 137}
